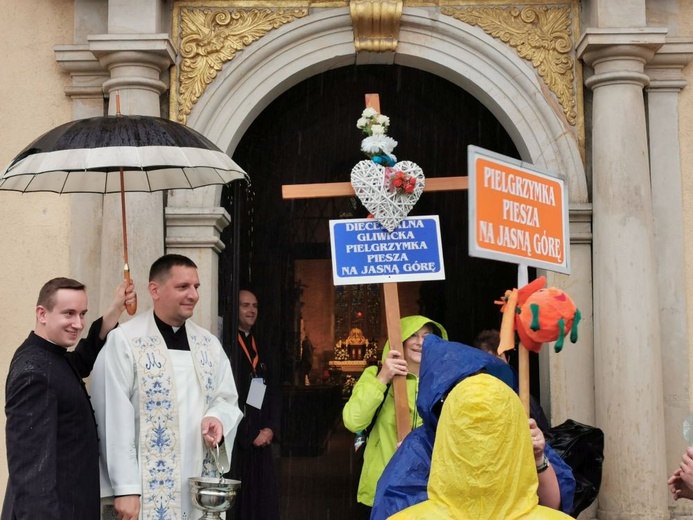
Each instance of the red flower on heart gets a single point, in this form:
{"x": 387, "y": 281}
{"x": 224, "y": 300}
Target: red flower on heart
{"x": 399, "y": 182}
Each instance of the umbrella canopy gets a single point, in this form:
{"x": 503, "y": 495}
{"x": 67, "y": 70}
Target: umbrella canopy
{"x": 115, "y": 154}
{"x": 86, "y": 156}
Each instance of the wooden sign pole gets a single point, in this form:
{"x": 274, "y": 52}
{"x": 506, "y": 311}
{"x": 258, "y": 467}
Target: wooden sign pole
{"x": 399, "y": 383}
{"x": 523, "y": 369}
{"x": 523, "y": 353}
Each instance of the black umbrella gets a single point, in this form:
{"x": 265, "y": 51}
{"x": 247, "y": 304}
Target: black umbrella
{"x": 112, "y": 154}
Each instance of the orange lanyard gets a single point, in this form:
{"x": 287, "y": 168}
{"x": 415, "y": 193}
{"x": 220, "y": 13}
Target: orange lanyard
{"x": 253, "y": 361}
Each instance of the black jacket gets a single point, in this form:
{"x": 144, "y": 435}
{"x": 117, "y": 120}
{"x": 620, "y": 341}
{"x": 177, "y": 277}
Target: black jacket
{"x": 51, "y": 437}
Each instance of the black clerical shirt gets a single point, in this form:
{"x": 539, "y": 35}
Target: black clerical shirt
{"x": 175, "y": 340}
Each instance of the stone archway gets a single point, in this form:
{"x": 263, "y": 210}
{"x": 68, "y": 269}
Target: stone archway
{"x": 491, "y": 71}
{"x": 465, "y": 56}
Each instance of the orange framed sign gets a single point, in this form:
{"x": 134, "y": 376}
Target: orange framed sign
{"x": 518, "y": 213}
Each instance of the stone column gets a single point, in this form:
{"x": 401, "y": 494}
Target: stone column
{"x": 570, "y": 373}
{"x": 135, "y": 63}
{"x": 628, "y": 369}
{"x": 196, "y": 233}
{"x": 666, "y": 82}
{"x": 86, "y": 91}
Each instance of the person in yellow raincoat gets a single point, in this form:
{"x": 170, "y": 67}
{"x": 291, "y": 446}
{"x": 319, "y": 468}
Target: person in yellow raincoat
{"x": 483, "y": 464}
{"x": 373, "y": 389}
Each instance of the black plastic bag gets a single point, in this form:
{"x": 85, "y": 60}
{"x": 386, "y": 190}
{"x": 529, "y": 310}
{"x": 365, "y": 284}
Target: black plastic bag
{"x": 582, "y": 448}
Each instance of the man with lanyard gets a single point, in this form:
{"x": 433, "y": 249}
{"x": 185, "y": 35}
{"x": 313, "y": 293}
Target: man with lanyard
{"x": 259, "y": 400}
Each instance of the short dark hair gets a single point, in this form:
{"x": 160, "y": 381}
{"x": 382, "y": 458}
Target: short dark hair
{"x": 488, "y": 341}
{"x": 434, "y": 328}
{"x": 162, "y": 266}
{"x": 46, "y": 297}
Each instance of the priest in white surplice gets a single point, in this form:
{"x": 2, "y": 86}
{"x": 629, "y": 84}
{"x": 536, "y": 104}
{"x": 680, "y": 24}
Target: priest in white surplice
{"x": 164, "y": 394}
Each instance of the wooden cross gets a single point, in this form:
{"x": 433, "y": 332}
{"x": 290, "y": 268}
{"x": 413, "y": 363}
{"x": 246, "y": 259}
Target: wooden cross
{"x": 390, "y": 294}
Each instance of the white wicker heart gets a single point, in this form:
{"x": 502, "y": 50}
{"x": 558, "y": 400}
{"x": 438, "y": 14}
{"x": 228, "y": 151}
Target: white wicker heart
{"x": 374, "y": 187}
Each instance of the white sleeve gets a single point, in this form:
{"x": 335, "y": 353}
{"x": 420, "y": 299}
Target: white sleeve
{"x": 224, "y": 405}
{"x": 113, "y": 393}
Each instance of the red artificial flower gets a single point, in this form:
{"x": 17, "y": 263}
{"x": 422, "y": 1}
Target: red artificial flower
{"x": 409, "y": 188}
{"x": 397, "y": 183}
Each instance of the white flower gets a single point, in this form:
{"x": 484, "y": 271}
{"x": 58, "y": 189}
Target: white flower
{"x": 377, "y": 129}
{"x": 369, "y": 112}
{"x": 362, "y": 123}
{"x": 376, "y": 144}
{"x": 383, "y": 120}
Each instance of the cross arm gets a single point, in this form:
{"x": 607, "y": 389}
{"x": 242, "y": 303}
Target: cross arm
{"x": 344, "y": 189}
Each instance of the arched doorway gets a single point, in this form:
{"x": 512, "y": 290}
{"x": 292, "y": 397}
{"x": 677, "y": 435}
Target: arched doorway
{"x": 308, "y": 135}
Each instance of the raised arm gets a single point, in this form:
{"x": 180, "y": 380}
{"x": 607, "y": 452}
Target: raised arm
{"x": 86, "y": 351}
{"x": 548, "y": 491}
{"x": 366, "y": 396}
{"x": 124, "y": 294}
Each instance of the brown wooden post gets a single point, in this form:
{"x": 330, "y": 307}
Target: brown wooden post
{"x": 523, "y": 369}
{"x": 399, "y": 383}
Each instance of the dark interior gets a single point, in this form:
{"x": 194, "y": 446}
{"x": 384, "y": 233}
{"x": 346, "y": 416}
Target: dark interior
{"x": 309, "y": 135}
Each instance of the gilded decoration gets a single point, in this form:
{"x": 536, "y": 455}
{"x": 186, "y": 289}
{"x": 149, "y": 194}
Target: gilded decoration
{"x": 211, "y": 37}
{"x": 375, "y": 24}
{"x": 541, "y": 35}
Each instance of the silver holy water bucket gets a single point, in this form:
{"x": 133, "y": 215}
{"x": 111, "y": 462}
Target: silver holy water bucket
{"x": 213, "y": 495}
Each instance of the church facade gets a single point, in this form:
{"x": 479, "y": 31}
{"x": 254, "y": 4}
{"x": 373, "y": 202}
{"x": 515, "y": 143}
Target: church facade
{"x": 597, "y": 90}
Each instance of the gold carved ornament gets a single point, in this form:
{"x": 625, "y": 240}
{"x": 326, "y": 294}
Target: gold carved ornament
{"x": 375, "y": 24}
{"x": 541, "y": 35}
{"x": 211, "y": 38}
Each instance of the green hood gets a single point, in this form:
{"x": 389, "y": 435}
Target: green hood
{"x": 410, "y": 324}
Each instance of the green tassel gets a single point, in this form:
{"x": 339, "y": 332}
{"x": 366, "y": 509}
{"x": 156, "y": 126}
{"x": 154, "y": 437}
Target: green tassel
{"x": 561, "y": 336}
{"x": 574, "y": 329}
{"x": 535, "y": 317}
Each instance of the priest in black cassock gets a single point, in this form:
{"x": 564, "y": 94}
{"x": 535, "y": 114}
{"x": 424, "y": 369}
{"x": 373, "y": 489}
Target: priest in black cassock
{"x": 259, "y": 399}
{"x": 52, "y": 446}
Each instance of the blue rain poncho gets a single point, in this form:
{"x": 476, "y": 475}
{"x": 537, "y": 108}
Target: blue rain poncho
{"x": 483, "y": 462}
{"x": 443, "y": 365}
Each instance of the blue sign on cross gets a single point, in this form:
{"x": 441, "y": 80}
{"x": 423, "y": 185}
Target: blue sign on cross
{"x": 363, "y": 252}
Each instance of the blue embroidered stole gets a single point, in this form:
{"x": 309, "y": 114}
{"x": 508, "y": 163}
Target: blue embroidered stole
{"x": 159, "y": 439}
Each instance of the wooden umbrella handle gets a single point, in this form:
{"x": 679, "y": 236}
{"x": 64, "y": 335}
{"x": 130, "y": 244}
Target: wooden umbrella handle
{"x": 131, "y": 307}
